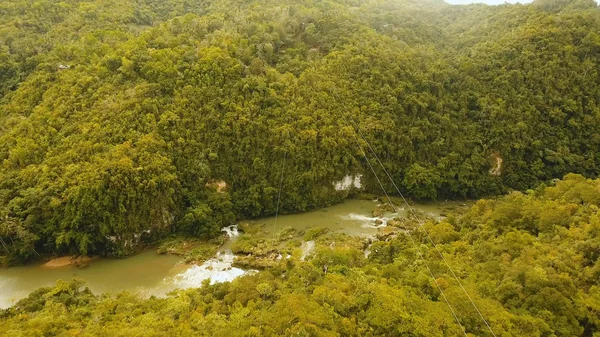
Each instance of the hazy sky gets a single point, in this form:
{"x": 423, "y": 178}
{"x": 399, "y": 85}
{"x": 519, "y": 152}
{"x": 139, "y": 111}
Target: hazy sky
{"x": 489, "y": 2}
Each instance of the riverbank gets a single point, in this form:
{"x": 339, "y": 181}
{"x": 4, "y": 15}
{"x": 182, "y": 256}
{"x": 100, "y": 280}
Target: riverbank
{"x": 195, "y": 250}
{"x": 185, "y": 262}
{"x": 335, "y": 278}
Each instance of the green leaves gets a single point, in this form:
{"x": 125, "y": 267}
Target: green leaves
{"x": 421, "y": 182}
{"x": 540, "y": 284}
{"x": 115, "y": 116}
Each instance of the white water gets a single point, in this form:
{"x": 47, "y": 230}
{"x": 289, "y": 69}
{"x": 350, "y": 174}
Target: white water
{"x": 217, "y": 269}
{"x": 231, "y": 231}
{"x": 368, "y": 222}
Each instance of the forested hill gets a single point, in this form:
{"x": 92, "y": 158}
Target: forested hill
{"x": 125, "y": 117}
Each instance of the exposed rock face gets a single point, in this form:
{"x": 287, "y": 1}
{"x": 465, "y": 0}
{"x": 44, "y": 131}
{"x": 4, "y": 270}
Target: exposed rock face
{"x": 349, "y": 182}
{"x": 219, "y": 185}
{"x": 307, "y": 248}
{"x": 496, "y": 169}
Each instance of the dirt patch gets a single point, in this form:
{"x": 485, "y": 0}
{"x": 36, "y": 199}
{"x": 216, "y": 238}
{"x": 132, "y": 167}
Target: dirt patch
{"x": 64, "y": 261}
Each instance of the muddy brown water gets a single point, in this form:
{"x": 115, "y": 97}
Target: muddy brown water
{"x": 148, "y": 273}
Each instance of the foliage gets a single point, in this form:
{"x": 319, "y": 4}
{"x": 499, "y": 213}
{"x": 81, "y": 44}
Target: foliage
{"x": 193, "y": 250}
{"x": 314, "y": 233}
{"x": 122, "y": 121}
{"x": 529, "y": 261}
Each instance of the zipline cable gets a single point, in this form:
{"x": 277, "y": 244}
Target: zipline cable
{"x": 279, "y": 194}
{"x": 409, "y": 235}
{"x": 422, "y": 228}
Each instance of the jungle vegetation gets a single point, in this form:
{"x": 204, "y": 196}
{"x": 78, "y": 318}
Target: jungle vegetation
{"x": 126, "y": 120}
{"x": 530, "y": 261}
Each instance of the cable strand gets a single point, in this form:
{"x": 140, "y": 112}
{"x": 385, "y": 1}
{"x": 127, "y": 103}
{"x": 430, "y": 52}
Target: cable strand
{"x": 279, "y": 195}
{"x": 422, "y": 228}
{"x": 419, "y": 253}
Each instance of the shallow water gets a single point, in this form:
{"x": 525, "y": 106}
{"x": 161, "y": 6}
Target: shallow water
{"x": 353, "y": 217}
{"x": 141, "y": 273}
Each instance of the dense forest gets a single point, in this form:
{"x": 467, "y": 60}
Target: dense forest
{"x": 123, "y": 120}
{"x": 529, "y": 261}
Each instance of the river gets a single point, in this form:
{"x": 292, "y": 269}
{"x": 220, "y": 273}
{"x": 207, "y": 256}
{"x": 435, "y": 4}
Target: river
{"x": 149, "y": 273}
{"x": 353, "y": 217}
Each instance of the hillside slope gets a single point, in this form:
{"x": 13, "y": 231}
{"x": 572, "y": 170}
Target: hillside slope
{"x": 119, "y": 119}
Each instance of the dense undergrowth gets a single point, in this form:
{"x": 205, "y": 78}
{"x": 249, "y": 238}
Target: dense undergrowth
{"x": 124, "y": 121}
{"x": 528, "y": 260}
